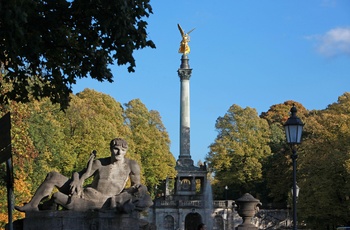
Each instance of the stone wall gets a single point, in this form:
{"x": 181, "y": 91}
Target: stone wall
{"x": 72, "y": 220}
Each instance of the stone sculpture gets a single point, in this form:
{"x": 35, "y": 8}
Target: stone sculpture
{"x": 107, "y": 190}
{"x": 247, "y": 207}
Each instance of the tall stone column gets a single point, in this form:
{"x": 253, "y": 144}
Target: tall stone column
{"x": 185, "y": 73}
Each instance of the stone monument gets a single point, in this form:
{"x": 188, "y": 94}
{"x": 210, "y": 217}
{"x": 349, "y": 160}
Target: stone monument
{"x": 187, "y": 200}
{"x": 104, "y": 204}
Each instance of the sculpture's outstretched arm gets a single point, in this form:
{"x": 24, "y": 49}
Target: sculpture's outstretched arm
{"x": 77, "y": 180}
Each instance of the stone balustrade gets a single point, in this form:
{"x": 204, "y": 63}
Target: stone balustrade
{"x": 194, "y": 203}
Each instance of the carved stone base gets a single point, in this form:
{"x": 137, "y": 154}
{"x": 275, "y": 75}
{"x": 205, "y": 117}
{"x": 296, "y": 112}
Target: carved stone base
{"x": 72, "y": 220}
{"x": 247, "y": 227}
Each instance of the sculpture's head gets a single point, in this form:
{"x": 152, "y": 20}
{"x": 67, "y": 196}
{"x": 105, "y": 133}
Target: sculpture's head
{"x": 118, "y": 148}
{"x": 118, "y": 142}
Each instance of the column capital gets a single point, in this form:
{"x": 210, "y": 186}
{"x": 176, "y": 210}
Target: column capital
{"x": 184, "y": 74}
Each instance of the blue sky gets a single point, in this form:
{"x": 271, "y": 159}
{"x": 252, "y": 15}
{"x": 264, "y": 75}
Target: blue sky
{"x": 250, "y": 53}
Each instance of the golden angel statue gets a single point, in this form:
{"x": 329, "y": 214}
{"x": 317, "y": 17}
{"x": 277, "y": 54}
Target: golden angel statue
{"x": 184, "y": 47}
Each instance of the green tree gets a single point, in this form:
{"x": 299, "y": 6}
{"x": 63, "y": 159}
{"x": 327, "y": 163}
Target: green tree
{"x": 323, "y": 174}
{"x": 152, "y": 144}
{"x": 66, "y": 139}
{"x": 48, "y": 135}
{"x": 75, "y": 39}
{"x": 240, "y": 148}
{"x": 277, "y": 185}
{"x": 92, "y": 121}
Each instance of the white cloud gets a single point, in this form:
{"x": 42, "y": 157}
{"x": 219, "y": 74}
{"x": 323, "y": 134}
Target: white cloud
{"x": 335, "y": 42}
{"x": 329, "y": 3}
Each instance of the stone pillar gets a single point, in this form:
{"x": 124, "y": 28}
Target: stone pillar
{"x": 193, "y": 184}
{"x": 185, "y": 73}
{"x": 247, "y": 207}
{"x": 181, "y": 219}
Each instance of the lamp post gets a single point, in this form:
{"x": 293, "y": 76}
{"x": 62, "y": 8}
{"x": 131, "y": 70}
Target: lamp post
{"x": 226, "y": 201}
{"x": 226, "y": 204}
{"x": 294, "y": 129}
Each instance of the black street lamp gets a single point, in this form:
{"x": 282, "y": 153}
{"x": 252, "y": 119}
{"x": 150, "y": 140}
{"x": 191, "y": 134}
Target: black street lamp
{"x": 294, "y": 129}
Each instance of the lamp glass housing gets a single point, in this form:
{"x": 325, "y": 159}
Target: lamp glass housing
{"x": 293, "y": 133}
{"x": 293, "y": 128}
{"x": 297, "y": 191}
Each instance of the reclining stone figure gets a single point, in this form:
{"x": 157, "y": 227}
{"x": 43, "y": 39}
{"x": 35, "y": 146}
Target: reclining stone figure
{"x": 107, "y": 190}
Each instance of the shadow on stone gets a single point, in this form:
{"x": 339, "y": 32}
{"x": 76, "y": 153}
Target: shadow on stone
{"x": 73, "y": 220}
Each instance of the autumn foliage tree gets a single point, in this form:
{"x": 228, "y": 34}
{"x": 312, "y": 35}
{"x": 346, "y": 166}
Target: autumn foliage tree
{"x": 23, "y": 153}
{"x": 240, "y": 149}
{"x": 45, "y": 139}
{"x": 277, "y": 169}
{"x": 324, "y": 174}
{"x": 152, "y": 144}
{"x": 66, "y": 139}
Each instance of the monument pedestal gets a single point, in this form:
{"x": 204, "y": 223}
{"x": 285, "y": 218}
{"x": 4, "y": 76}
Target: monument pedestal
{"x": 73, "y": 220}
{"x": 247, "y": 227}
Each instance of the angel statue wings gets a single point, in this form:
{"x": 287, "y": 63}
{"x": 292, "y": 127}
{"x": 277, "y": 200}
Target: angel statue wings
{"x": 184, "y": 47}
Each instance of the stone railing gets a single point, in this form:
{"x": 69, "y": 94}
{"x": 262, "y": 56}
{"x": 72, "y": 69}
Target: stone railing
{"x": 222, "y": 204}
{"x": 191, "y": 203}
{"x": 168, "y": 203}
{"x": 195, "y": 203}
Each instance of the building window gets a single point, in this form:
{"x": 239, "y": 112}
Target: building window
{"x": 185, "y": 184}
